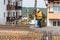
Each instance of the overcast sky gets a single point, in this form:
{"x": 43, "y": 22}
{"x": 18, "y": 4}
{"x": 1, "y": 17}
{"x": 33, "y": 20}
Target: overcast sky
{"x": 30, "y": 3}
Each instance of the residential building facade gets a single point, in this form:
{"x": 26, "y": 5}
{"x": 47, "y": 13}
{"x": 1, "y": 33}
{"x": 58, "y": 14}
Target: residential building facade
{"x": 11, "y": 11}
{"x": 53, "y": 13}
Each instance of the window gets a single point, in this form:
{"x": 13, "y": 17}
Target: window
{"x": 16, "y": 22}
{"x": 59, "y": 9}
{"x": 56, "y": 9}
{"x": 13, "y": 22}
{"x": 13, "y": 13}
{"x": 54, "y": 23}
{"x": 51, "y": 9}
{"x": 58, "y": 23}
{"x": 20, "y": 3}
{"x": 8, "y": 14}
{"x": 14, "y": 3}
{"x": 20, "y": 12}
{"x": 4, "y": 14}
{"x": 4, "y": 1}
{"x": 16, "y": 14}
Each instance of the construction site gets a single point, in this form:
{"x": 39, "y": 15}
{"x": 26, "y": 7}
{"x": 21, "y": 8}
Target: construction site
{"x": 22, "y": 23}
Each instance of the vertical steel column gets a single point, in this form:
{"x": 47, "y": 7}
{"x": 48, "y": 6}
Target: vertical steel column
{"x": 4, "y": 2}
{"x": 35, "y": 7}
{"x": 21, "y": 11}
{"x": 46, "y": 3}
{"x": 27, "y": 15}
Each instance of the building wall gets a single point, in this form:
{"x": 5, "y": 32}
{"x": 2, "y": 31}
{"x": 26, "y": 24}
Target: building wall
{"x": 48, "y": 24}
{"x": 51, "y": 15}
{"x": 49, "y": 8}
{"x": 2, "y": 10}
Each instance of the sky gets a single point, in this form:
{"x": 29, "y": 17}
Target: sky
{"x": 30, "y": 3}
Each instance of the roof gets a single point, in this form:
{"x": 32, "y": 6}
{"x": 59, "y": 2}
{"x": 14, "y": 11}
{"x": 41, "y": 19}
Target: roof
{"x": 53, "y": 0}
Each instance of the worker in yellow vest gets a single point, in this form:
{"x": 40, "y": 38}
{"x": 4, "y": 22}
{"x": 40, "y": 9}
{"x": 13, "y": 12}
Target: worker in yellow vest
{"x": 39, "y": 17}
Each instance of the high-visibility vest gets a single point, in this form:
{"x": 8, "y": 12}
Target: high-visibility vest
{"x": 39, "y": 15}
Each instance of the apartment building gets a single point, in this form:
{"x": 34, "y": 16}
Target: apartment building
{"x": 53, "y": 13}
{"x": 10, "y": 11}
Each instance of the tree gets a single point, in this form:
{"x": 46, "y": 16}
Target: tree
{"x": 43, "y": 19}
{"x": 31, "y": 16}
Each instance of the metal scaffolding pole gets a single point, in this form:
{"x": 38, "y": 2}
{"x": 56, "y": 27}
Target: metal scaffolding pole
{"x": 35, "y": 7}
{"x": 46, "y": 3}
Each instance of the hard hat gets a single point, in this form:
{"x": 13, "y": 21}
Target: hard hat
{"x": 37, "y": 9}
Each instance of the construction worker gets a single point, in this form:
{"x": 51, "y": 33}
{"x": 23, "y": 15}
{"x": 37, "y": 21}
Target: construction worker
{"x": 39, "y": 17}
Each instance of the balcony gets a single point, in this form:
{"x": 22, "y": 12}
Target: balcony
{"x": 13, "y": 7}
{"x": 8, "y": 7}
{"x": 54, "y": 16}
{"x": 13, "y": 18}
{"x": 18, "y": 7}
{"x": 10, "y": 18}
